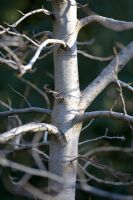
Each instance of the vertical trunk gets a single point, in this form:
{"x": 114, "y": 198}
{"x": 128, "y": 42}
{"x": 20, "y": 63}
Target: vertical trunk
{"x": 67, "y": 84}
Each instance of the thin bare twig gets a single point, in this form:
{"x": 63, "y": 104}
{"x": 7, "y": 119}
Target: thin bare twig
{"x": 103, "y": 137}
{"x": 37, "y": 89}
{"x": 125, "y": 85}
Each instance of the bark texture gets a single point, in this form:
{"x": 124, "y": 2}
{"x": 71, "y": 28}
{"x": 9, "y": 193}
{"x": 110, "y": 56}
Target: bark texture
{"x": 65, "y": 109}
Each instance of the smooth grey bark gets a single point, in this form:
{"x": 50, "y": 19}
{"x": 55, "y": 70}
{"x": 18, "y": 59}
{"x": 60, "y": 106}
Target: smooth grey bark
{"x": 70, "y": 103}
{"x": 65, "y": 109}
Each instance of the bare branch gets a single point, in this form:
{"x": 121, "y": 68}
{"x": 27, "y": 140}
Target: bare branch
{"x": 25, "y": 68}
{"x": 116, "y": 25}
{"x": 42, "y": 173}
{"x": 107, "y": 182}
{"x": 25, "y": 110}
{"x": 33, "y": 127}
{"x": 9, "y": 62}
{"x": 86, "y": 43}
{"x": 107, "y": 76}
{"x": 38, "y": 194}
{"x": 11, "y": 53}
{"x": 46, "y": 12}
{"x": 42, "y": 10}
{"x": 94, "y": 57}
{"x": 102, "y": 137}
{"x": 20, "y": 36}
{"x": 103, "y": 114}
{"x": 105, "y": 194}
{"x": 99, "y": 150}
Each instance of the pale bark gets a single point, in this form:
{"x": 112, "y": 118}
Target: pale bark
{"x": 33, "y": 127}
{"x": 67, "y": 84}
{"x": 109, "y": 23}
{"x": 107, "y": 76}
{"x": 103, "y": 114}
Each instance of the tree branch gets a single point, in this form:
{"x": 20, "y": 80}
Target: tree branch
{"x": 102, "y": 59}
{"x": 105, "y": 194}
{"x": 116, "y": 25}
{"x": 103, "y": 114}
{"x": 32, "y": 127}
{"x": 46, "y": 12}
{"x": 42, "y": 173}
{"x": 25, "y": 110}
{"x": 25, "y": 68}
{"x": 107, "y": 76}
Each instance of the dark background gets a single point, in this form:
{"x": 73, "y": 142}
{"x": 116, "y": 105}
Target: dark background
{"x": 104, "y": 41}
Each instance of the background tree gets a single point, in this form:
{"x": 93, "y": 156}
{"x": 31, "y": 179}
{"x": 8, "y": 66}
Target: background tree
{"x": 20, "y": 51}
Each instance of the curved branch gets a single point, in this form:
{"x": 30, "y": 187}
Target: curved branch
{"x": 32, "y": 127}
{"x": 42, "y": 10}
{"x": 102, "y": 59}
{"x": 107, "y": 76}
{"x": 103, "y": 114}
{"x": 25, "y": 68}
{"x": 25, "y": 110}
{"x": 116, "y": 25}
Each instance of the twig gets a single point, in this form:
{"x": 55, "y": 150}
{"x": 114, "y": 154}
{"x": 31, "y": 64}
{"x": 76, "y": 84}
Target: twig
{"x": 109, "y": 149}
{"x": 125, "y": 85}
{"x": 98, "y": 180}
{"x": 37, "y": 89}
{"x": 103, "y": 137}
{"x": 18, "y": 93}
{"x": 91, "y": 121}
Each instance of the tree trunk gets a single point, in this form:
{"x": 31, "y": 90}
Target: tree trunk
{"x": 66, "y": 107}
